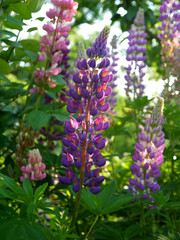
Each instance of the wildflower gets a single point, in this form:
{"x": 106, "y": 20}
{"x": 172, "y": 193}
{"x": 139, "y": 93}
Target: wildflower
{"x": 53, "y": 46}
{"x": 35, "y": 167}
{"x": 135, "y": 56}
{"x": 84, "y": 133}
{"x": 148, "y": 155}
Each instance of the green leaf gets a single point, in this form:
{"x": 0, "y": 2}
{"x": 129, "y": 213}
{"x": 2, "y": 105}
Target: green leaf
{"x": 60, "y": 114}
{"x": 10, "y": 183}
{"x": 38, "y": 119}
{"x": 59, "y": 79}
{"x": 4, "y": 67}
{"x": 14, "y": 20}
{"x": 39, "y": 191}
{"x": 107, "y": 193}
{"x": 35, "y": 5}
{"x": 33, "y": 56}
{"x": 17, "y": 228}
{"x": 32, "y": 29}
{"x": 117, "y": 203}
{"x": 4, "y": 78}
{"x": 6, "y": 32}
{"x": 30, "y": 210}
{"x": 87, "y": 200}
{"x": 28, "y": 187}
{"x": 8, "y": 194}
{"x": 12, "y": 43}
{"x": 21, "y": 9}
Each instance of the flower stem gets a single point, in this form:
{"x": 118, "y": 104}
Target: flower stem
{"x": 37, "y": 101}
{"x": 95, "y": 220}
{"x": 83, "y": 160}
{"x": 142, "y": 215}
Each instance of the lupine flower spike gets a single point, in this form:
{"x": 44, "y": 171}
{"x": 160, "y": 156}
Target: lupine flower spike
{"x": 148, "y": 155}
{"x": 170, "y": 46}
{"x": 35, "y": 167}
{"x": 53, "y": 45}
{"x": 136, "y": 57}
{"x": 84, "y": 134}
{"x": 113, "y": 55}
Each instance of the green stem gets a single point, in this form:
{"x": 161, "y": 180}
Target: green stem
{"x": 95, "y": 220}
{"x": 37, "y": 101}
{"x": 142, "y": 215}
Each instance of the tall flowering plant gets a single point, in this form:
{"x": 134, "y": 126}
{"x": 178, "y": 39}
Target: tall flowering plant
{"x": 53, "y": 46}
{"x": 136, "y": 57}
{"x": 148, "y": 155}
{"x": 84, "y": 133}
{"x": 170, "y": 46}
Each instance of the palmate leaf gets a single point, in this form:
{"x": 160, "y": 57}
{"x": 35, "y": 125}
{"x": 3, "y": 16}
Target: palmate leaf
{"x": 20, "y": 229}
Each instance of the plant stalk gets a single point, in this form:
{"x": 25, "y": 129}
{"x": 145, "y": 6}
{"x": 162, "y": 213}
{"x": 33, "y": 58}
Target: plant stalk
{"x": 95, "y": 220}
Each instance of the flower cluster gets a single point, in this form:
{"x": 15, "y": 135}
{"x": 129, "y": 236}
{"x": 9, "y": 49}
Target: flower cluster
{"x": 33, "y": 170}
{"x": 53, "y": 46}
{"x": 170, "y": 45}
{"x": 26, "y": 139}
{"x": 84, "y": 134}
{"x": 113, "y": 55}
{"x": 135, "y": 56}
{"x": 148, "y": 155}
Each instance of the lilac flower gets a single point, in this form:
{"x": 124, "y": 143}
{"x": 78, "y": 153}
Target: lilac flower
{"x": 170, "y": 45}
{"x": 135, "y": 56}
{"x": 84, "y": 133}
{"x": 148, "y": 155}
{"x": 53, "y": 45}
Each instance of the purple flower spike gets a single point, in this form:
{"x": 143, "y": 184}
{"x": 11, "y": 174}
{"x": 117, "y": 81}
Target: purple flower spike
{"x": 135, "y": 56}
{"x": 87, "y": 97}
{"x": 148, "y": 155}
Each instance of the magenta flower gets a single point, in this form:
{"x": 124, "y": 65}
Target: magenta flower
{"x": 35, "y": 167}
{"x": 148, "y": 155}
{"x": 53, "y": 45}
{"x": 84, "y": 133}
{"x": 136, "y": 57}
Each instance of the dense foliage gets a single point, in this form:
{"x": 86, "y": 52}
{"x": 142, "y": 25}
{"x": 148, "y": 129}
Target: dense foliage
{"x": 78, "y": 160}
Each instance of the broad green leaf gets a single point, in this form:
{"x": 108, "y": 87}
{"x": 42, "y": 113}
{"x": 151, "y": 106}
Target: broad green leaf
{"x": 28, "y": 187}
{"x": 4, "y": 67}
{"x": 39, "y": 191}
{"x": 35, "y": 5}
{"x": 21, "y": 9}
{"x": 38, "y": 119}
